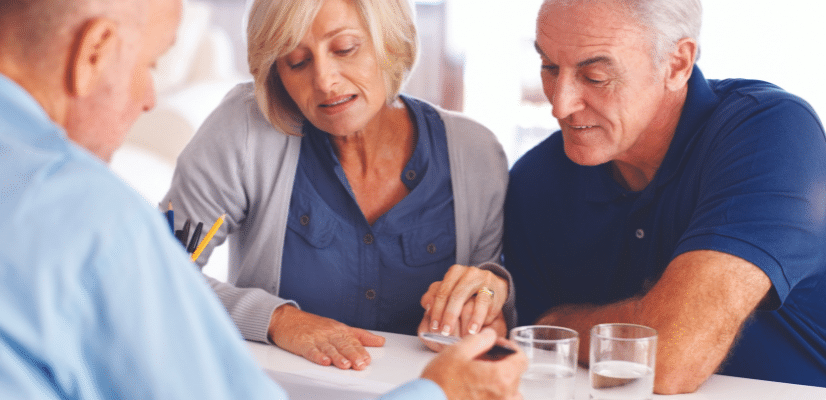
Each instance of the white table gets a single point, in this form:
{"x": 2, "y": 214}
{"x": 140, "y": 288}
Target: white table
{"x": 403, "y": 357}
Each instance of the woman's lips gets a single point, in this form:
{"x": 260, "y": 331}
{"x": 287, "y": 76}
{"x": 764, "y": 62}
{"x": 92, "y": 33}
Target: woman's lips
{"x": 337, "y": 104}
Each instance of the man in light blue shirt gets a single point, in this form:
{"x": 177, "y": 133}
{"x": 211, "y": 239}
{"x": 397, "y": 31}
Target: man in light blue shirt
{"x": 98, "y": 300}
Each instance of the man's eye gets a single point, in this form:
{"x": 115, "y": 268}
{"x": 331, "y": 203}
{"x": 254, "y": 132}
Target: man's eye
{"x": 553, "y": 69}
{"x": 596, "y": 82}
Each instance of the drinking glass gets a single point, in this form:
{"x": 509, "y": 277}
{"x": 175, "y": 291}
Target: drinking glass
{"x": 622, "y": 362}
{"x": 552, "y": 361}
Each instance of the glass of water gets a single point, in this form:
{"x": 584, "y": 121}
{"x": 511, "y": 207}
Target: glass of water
{"x": 552, "y": 361}
{"x": 622, "y": 362}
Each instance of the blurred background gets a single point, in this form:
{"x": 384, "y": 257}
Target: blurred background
{"x": 476, "y": 57}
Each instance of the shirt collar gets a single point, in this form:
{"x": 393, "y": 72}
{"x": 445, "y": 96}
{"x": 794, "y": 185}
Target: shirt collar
{"x": 18, "y": 99}
{"x": 416, "y": 167}
{"x": 27, "y": 116}
{"x": 700, "y": 103}
{"x": 414, "y": 171}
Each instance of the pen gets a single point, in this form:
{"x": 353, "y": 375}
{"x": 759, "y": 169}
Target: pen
{"x": 170, "y": 216}
{"x": 208, "y": 237}
{"x": 196, "y": 236}
{"x": 184, "y": 233}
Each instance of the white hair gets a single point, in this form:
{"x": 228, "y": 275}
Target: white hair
{"x": 667, "y": 21}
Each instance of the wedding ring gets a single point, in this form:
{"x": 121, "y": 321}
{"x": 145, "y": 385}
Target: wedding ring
{"x": 485, "y": 290}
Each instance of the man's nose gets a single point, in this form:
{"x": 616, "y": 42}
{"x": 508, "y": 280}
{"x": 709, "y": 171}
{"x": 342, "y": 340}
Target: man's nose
{"x": 565, "y": 97}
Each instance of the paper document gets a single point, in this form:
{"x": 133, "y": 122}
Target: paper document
{"x": 309, "y": 384}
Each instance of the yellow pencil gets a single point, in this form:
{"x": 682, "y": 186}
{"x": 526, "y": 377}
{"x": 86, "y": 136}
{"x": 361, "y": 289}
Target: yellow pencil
{"x": 208, "y": 237}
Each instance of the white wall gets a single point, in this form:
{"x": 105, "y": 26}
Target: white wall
{"x": 780, "y": 42}
{"x": 783, "y": 42}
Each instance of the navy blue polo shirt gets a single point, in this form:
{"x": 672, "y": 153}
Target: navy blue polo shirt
{"x": 338, "y": 266}
{"x": 745, "y": 175}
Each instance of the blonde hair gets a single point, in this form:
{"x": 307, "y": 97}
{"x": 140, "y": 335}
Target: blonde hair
{"x": 275, "y": 28}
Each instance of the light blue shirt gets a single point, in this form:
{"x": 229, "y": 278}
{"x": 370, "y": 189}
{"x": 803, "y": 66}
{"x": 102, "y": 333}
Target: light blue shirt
{"x": 98, "y": 300}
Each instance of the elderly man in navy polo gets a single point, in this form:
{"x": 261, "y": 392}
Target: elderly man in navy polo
{"x": 694, "y": 206}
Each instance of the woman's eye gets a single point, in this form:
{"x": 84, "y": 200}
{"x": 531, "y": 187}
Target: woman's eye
{"x": 344, "y": 52}
{"x": 297, "y": 65}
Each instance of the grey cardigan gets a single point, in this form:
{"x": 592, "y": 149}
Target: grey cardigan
{"x": 239, "y": 165}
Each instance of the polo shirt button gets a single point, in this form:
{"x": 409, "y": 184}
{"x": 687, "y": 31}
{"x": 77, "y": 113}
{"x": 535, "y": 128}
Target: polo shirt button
{"x": 410, "y": 175}
{"x": 640, "y": 233}
{"x": 368, "y": 239}
{"x": 431, "y": 248}
{"x": 305, "y": 220}
{"x": 370, "y": 294}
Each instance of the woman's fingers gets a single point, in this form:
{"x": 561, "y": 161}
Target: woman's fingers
{"x": 483, "y": 306}
{"x": 461, "y": 285}
{"x": 322, "y": 340}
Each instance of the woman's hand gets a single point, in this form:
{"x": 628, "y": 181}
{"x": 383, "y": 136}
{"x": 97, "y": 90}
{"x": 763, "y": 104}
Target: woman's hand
{"x": 499, "y": 325}
{"x": 465, "y": 301}
{"x": 321, "y": 340}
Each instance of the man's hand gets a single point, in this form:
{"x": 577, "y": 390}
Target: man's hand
{"x": 457, "y": 296}
{"x": 460, "y": 372}
{"x": 321, "y": 340}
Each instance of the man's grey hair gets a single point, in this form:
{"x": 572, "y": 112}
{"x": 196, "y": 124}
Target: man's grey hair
{"x": 667, "y": 21}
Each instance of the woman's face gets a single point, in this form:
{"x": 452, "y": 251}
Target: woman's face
{"x": 333, "y": 75}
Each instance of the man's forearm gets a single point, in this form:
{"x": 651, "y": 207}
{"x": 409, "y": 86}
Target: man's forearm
{"x": 581, "y": 317}
{"x": 697, "y": 307}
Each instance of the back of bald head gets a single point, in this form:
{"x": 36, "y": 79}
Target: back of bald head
{"x": 38, "y": 28}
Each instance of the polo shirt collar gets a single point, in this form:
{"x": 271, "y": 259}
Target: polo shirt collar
{"x": 700, "y": 103}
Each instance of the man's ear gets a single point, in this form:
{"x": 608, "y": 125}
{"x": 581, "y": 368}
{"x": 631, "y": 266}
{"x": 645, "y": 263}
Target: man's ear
{"x": 94, "y": 51}
{"x": 681, "y": 64}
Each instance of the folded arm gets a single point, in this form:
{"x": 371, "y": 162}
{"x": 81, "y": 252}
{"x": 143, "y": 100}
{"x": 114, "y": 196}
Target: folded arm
{"x": 697, "y": 307}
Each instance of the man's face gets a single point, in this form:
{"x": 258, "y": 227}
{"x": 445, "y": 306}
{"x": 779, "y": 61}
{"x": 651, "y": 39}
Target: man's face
{"x": 99, "y": 122}
{"x": 598, "y": 74}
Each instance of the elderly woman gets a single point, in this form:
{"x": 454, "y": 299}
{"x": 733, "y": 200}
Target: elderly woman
{"x": 341, "y": 196}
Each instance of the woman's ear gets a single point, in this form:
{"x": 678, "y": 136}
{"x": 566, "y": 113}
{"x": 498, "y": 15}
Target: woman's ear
{"x": 681, "y": 64}
{"x": 94, "y": 51}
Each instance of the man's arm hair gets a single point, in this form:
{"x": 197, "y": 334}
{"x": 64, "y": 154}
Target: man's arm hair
{"x": 697, "y": 307}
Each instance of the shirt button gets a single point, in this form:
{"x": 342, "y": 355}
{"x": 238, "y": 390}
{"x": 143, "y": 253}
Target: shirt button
{"x": 305, "y": 220}
{"x": 370, "y": 294}
{"x": 431, "y": 248}
{"x": 410, "y": 175}
{"x": 640, "y": 233}
{"x": 368, "y": 239}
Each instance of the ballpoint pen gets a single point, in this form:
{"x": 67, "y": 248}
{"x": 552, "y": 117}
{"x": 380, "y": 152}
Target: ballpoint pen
{"x": 196, "y": 236}
{"x": 184, "y": 233}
